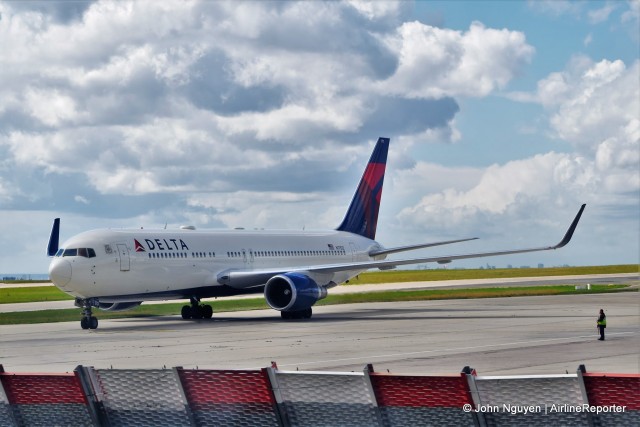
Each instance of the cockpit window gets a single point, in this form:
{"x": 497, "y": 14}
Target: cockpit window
{"x": 83, "y": 252}
{"x": 60, "y": 251}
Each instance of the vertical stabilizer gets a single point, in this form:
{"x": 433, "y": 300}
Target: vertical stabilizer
{"x": 362, "y": 216}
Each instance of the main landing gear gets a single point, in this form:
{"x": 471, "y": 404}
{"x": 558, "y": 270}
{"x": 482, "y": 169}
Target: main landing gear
{"x": 88, "y": 321}
{"x": 298, "y": 314}
{"x": 196, "y": 310}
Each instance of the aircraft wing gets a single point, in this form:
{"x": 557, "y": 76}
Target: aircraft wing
{"x": 387, "y": 251}
{"x": 248, "y": 278}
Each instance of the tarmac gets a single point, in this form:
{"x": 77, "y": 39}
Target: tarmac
{"x": 497, "y": 336}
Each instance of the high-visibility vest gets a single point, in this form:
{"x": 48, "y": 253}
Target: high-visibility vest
{"x": 602, "y": 322}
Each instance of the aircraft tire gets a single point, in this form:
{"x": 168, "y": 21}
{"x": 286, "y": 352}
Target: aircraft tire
{"x": 207, "y": 311}
{"x": 298, "y": 314}
{"x": 186, "y": 312}
{"x": 197, "y": 312}
{"x": 93, "y": 322}
{"x": 84, "y": 323}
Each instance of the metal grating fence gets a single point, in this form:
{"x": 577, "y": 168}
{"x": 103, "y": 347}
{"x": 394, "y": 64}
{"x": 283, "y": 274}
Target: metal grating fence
{"x": 411, "y": 400}
{"x": 529, "y": 401}
{"x": 230, "y": 398}
{"x": 607, "y": 391}
{"x": 270, "y": 397}
{"x": 324, "y": 399}
{"x": 139, "y": 397}
{"x": 43, "y": 400}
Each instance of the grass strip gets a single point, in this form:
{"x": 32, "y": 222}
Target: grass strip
{"x": 32, "y": 294}
{"x": 148, "y": 310}
{"x": 397, "y": 276}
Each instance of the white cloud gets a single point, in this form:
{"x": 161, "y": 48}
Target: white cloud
{"x": 435, "y": 62}
{"x": 633, "y": 14}
{"x": 600, "y": 15}
{"x": 556, "y": 8}
{"x": 593, "y": 106}
{"x": 596, "y": 102}
{"x": 376, "y": 9}
{"x": 82, "y": 200}
{"x": 50, "y": 107}
{"x": 501, "y": 188}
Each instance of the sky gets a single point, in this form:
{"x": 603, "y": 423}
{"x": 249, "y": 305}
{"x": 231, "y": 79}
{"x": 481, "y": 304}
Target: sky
{"x": 504, "y": 117}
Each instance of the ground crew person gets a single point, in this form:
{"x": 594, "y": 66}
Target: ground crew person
{"x": 602, "y": 323}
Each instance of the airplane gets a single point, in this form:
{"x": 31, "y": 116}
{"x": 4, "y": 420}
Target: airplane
{"x": 118, "y": 269}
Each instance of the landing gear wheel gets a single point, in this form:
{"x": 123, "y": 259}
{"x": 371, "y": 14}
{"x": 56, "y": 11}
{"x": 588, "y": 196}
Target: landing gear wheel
{"x": 93, "y": 322}
{"x": 88, "y": 321}
{"x": 297, "y": 314}
{"x": 196, "y": 312}
{"x": 207, "y": 311}
{"x": 186, "y": 312}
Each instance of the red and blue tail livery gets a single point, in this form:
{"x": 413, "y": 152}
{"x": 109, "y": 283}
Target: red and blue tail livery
{"x": 362, "y": 216}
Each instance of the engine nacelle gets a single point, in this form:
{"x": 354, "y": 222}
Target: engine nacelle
{"x": 118, "y": 306}
{"x": 292, "y": 292}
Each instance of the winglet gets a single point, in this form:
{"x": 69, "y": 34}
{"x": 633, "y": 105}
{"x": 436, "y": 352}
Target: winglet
{"x": 362, "y": 216}
{"x": 572, "y": 228}
{"x": 54, "y": 239}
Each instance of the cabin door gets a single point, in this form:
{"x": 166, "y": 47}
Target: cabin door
{"x": 125, "y": 262}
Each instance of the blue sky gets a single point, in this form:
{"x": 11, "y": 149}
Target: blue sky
{"x": 503, "y": 117}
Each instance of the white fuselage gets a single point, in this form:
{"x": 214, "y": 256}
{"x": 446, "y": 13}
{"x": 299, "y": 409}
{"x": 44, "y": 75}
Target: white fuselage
{"x": 137, "y": 265}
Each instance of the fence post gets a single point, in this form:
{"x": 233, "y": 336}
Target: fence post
{"x": 185, "y": 401}
{"x": 368, "y": 369}
{"x": 283, "y": 417}
{"x": 478, "y": 417}
{"x": 583, "y": 390}
{"x": 6, "y": 405}
{"x": 95, "y": 406}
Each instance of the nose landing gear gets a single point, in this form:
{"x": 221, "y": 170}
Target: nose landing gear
{"x": 88, "y": 321}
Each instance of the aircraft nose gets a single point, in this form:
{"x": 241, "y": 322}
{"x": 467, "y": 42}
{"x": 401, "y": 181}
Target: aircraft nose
{"x": 60, "y": 272}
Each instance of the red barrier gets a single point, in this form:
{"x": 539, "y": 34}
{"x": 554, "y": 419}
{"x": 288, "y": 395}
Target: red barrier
{"x": 38, "y": 389}
{"x": 229, "y": 398}
{"x": 424, "y": 391}
{"x": 46, "y": 399}
{"x": 613, "y": 389}
{"x": 422, "y": 400}
{"x": 226, "y": 387}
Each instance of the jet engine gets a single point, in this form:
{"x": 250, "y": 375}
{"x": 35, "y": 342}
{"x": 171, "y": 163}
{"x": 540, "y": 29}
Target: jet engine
{"x": 118, "y": 306}
{"x": 292, "y": 292}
